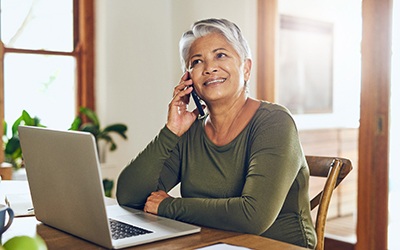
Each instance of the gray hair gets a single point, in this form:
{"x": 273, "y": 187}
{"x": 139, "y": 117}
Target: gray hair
{"x": 204, "y": 27}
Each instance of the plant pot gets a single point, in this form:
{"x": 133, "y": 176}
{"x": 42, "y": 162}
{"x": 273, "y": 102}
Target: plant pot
{"x": 6, "y": 171}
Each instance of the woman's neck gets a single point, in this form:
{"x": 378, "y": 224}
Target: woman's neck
{"x": 225, "y": 122}
{"x": 223, "y": 115}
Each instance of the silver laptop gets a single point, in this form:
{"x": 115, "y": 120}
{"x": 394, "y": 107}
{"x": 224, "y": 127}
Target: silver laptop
{"x": 66, "y": 186}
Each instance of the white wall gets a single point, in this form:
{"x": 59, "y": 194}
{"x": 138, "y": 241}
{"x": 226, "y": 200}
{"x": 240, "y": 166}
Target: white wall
{"x": 137, "y": 61}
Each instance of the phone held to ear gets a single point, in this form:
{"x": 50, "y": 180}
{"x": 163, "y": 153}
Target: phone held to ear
{"x": 196, "y": 99}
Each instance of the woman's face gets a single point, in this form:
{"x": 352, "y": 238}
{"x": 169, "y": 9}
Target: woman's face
{"x": 216, "y": 69}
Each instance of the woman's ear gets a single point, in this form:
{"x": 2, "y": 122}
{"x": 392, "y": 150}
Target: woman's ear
{"x": 247, "y": 69}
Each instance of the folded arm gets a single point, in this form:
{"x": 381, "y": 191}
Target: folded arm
{"x": 141, "y": 176}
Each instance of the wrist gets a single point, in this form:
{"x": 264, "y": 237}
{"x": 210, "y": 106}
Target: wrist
{"x": 173, "y": 129}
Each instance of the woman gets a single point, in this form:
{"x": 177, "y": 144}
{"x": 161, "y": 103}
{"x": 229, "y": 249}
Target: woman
{"x": 241, "y": 167}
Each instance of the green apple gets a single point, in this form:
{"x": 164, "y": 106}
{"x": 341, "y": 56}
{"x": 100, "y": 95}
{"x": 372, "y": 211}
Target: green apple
{"x": 26, "y": 243}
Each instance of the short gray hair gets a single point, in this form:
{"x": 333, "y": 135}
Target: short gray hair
{"x": 204, "y": 27}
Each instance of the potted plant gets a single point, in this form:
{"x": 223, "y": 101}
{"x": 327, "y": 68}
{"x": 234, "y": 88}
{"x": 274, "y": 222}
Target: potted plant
{"x": 92, "y": 125}
{"x": 12, "y": 149}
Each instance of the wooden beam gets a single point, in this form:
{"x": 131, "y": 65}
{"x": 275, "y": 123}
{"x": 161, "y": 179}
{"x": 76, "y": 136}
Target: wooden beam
{"x": 267, "y": 30}
{"x": 85, "y": 46}
{"x": 372, "y": 215}
{"x": 38, "y": 52}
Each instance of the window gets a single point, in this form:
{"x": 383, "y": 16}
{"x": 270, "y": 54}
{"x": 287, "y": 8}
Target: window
{"x": 305, "y": 65}
{"x": 47, "y": 58}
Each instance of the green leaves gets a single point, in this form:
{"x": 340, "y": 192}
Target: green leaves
{"x": 117, "y": 128}
{"x": 25, "y": 119}
{"x": 91, "y": 115}
{"x": 108, "y": 186}
{"x": 76, "y": 123}
{"x": 87, "y": 120}
{"x": 93, "y": 126}
{"x": 12, "y": 147}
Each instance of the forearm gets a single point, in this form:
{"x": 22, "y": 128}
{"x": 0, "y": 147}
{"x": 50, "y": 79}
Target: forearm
{"x": 234, "y": 214}
{"x": 141, "y": 176}
{"x": 254, "y": 211}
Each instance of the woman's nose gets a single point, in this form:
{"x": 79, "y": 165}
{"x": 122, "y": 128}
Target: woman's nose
{"x": 210, "y": 67}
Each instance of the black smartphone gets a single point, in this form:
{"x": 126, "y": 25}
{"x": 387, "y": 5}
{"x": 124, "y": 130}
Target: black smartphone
{"x": 196, "y": 99}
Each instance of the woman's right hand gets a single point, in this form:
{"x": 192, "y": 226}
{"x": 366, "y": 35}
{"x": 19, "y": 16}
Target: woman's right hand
{"x": 179, "y": 117}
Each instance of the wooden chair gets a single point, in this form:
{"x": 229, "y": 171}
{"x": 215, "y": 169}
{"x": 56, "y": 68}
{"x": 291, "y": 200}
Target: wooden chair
{"x": 334, "y": 169}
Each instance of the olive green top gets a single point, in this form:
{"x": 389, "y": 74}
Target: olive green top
{"x": 257, "y": 184}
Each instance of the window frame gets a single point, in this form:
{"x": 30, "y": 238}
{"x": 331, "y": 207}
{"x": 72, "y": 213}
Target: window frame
{"x": 83, "y": 51}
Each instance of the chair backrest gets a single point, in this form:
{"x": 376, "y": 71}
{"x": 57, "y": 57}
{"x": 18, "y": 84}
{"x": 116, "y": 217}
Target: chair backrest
{"x": 334, "y": 169}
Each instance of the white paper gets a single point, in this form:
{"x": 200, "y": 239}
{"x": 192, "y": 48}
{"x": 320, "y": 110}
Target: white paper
{"x": 223, "y": 246}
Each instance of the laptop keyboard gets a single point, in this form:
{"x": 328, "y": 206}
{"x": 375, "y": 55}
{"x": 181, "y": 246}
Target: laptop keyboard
{"x": 120, "y": 230}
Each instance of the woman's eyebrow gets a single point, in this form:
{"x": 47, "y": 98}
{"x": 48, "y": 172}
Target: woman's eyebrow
{"x": 213, "y": 51}
{"x": 196, "y": 55}
{"x": 216, "y": 50}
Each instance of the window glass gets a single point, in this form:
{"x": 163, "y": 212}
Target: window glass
{"x": 43, "y": 85}
{"x": 319, "y": 62}
{"x": 37, "y": 24}
{"x": 305, "y": 65}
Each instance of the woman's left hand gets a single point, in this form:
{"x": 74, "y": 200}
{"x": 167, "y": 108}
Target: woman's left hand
{"x": 154, "y": 200}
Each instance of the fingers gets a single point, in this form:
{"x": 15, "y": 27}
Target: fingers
{"x": 183, "y": 85}
{"x": 185, "y": 76}
{"x": 181, "y": 100}
{"x": 150, "y": 205}
{"x": 154, "y": 200}
{"x": 182, "y": 92}
{"x": 179, "y": 117}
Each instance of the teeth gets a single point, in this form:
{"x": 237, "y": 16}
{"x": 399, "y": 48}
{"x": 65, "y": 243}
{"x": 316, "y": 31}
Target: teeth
{"x": 215, "y": 81}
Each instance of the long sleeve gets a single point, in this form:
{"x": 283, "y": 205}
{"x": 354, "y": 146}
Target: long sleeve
{"x": 271, "y": 158}
{"x": 141, "y": 176}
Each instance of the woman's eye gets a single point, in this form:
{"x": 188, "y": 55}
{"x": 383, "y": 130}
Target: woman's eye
{"x": 194, "y": 63}
{"x": 221, "y": 55}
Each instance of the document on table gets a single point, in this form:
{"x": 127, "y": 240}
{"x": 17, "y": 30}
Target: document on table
{"x": 16, "y": 194}
{"x": 21, "y": 204}
{"x": 223, "y": 246}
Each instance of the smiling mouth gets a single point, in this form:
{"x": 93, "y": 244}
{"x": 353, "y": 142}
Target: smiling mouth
{"x": 221, "y": 80}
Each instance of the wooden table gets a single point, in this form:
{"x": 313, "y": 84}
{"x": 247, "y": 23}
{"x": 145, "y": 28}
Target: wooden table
{"x": 56, "y": 239}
